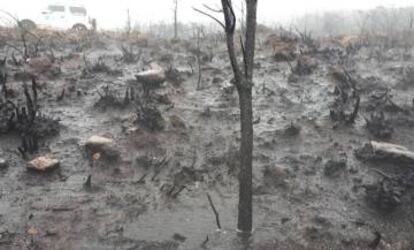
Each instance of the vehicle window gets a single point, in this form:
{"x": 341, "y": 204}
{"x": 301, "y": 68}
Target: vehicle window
{"x": 78, "y": 11}
{"x": 56, "y": 8}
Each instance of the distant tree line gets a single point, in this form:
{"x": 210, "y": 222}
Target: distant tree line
{"x": 381, "y": 20}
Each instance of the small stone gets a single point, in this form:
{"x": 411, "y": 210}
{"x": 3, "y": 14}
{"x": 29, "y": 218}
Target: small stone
{"x": 97, "y": 140}
{"x": 177, "y": 122}
{"x": 33, "y": 230}
{"x": 102, "y": 145}
{"x": 43, "y": 163}
{"x": 3, "y": 163}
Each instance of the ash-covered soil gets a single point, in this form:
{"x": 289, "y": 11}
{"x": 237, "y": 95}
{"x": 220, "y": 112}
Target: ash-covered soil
{"x": 142, "y": 183}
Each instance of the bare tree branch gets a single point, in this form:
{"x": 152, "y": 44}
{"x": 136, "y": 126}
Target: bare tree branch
{"x": 212, "y": 9}
{"x": 210, "y": 16}
{"x": 230, "y": 19}
{"x": 214, "y": 210}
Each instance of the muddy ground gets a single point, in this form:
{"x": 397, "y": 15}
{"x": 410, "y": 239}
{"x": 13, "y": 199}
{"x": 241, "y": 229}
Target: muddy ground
{"x": 311, "y": 191}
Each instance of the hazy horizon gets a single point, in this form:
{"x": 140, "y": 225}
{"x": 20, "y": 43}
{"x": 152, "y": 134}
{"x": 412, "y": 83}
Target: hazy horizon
{"x": 112, "y": 14}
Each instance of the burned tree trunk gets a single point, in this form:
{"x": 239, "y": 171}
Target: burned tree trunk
{"x": 244, "y": 222}
{"x": 243, "y": 76}
{"x": 244, "y": 85}
{"x": 175, "y": 19}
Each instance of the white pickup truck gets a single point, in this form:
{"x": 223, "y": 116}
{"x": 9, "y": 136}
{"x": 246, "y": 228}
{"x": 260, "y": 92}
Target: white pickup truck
{"x": 59, "y": 16}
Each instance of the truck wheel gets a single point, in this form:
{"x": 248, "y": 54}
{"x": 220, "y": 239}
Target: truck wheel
{"x": 27, "y": 24}
{"x": 79, "y": 27}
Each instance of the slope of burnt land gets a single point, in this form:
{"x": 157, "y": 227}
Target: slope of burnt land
{"x": 131, "y": 139}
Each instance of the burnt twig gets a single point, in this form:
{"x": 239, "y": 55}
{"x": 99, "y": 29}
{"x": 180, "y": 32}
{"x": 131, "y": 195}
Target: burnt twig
{"x": 214, "y": 210}
{"x": 159, "y": 167}
{"x": 355, "y": 111}
{"x": 204, "y": 244}
{"x": 175, "y": 195}
{"x": 61, "y": 96}
{"x": 210, "y": 16}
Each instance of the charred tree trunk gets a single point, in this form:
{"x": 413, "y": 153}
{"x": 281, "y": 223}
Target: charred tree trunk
{"x": 243, "y": 75}
{"x": 245, "y": 216}
{"x": 175, "y": 19}
{"x": 128, "y": 23}
{"x": 244, "y": 85}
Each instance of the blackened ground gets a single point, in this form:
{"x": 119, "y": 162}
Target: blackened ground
{"x": 310, "y": 191}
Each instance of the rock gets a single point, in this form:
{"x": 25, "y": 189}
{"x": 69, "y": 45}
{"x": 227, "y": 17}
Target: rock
{"x": 33, "y": 230}
{"x": 43, "y": 163}
{"x": 102, "y": 145}
{"x": 177, "y": 122}
{"x": 96, "y": 141}
{"x": 3, "y": 163}
{"x": 385, "y": 151}
{"x": 334, "y": 166}
{"x": 153, "y": 77}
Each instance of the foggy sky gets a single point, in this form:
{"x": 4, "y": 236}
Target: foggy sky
{"x": 112, "y": 13}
